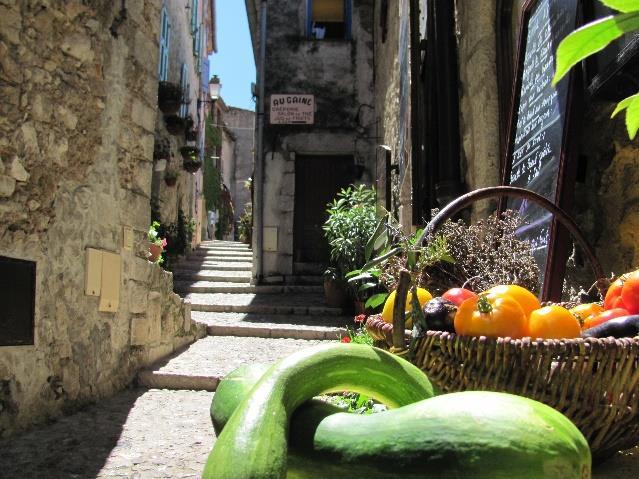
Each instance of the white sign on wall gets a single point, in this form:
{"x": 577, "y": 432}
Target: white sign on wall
{"x": 292, "y": 109}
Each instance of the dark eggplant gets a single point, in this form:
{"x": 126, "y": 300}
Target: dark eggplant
{"x": 439, "y": 314}
{"x": 621, "y": 327}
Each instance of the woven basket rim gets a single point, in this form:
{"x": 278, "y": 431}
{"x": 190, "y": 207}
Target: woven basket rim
{"x": 376, "y": 321}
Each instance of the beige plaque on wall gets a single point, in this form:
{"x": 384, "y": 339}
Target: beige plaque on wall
{"x": 110, "y": 295}
{"x": 93, "y": 272}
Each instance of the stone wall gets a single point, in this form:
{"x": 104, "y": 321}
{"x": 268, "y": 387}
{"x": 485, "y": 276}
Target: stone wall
{"x": 78, "y": 85}
{"x": 339, "y": 73}
{"x": 241, "y": 123}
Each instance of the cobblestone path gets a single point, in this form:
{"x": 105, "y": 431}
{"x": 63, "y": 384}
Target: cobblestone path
{"x": 138, "y": 434}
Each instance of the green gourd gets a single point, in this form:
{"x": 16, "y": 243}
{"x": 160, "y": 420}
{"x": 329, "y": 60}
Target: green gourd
{"x": 253, "y": 443}
{"x": 460, "y": 435}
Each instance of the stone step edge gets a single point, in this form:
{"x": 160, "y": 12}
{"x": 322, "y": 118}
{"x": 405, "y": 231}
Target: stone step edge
{"x": 195, "y": 276}
{"x": 267, "y": 309}
{"x": 185, "y": 287}
{"x": 160, "y": 380}
{"x": 268, "y": 330}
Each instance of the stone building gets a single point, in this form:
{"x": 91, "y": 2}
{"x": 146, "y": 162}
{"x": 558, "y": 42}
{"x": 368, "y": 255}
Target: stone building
{"x": 445, "y": 104}
{"x": 241, "y": 124}
{"x": 83, "y": 309}
{"x": 319, "y": 125}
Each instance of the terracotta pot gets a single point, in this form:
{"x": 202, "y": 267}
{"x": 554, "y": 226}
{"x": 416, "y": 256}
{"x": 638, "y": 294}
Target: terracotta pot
{"x": 155, "y": 250}
{"x": 359, "y": 307}
{"x": 335, "y": 292}
{"x": 192, "y": 166}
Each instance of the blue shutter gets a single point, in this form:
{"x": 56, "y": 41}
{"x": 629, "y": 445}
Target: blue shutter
{"x": 165, "y": 35}
{"x": 194, "y": 16}
{"x": 184, "y": 109}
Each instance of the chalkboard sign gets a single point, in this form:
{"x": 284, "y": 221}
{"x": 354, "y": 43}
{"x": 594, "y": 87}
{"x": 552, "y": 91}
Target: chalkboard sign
{"x": 536, "y": 153}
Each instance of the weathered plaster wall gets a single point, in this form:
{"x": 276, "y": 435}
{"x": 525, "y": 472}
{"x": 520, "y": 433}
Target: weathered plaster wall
{"x": 77, "y": 118}
{"x": 479, "y": 107}
{"x": 241, "y": 123}
{"x": 387, "y": 85}
{"x": 340, "y": 75}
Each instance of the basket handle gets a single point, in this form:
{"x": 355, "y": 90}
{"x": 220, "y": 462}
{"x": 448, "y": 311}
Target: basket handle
{"x": 497, "y": 191}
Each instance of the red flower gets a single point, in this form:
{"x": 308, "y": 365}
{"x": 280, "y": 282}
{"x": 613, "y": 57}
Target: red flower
{"x": 360, "y": 319}
{"x": 346, "y": 339}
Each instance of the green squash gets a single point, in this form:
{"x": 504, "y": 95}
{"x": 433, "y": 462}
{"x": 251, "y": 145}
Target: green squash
{"x": 460, "y": 435}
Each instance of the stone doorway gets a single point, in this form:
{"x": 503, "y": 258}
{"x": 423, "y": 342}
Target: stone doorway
{"x": 318, "y": 178}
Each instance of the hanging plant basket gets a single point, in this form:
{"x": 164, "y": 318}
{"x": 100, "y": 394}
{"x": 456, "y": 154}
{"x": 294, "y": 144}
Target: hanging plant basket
{"x": 174, "y": 124}
{"x": 169, "y": 97}
{"x": 191, "y": 135}
{"x": 192, "y": 165}
{"x": 170, "y": 181}
{"x": 189, "y": 152}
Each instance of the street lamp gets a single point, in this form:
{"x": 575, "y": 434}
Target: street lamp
{"x": 214, "y": 91}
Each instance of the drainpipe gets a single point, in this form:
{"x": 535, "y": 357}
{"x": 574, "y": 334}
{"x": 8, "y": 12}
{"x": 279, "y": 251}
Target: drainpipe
{"x": 258, "y": 223}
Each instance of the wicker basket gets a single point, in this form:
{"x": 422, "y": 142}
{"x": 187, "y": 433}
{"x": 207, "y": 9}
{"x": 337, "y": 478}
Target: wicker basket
{"x": 594, "y": 382}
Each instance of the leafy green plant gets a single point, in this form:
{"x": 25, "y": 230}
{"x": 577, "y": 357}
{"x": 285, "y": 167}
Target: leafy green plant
{"x": 351, "y": 221}
{"x": 212, "y": 184}
{"x": 594, "y": 37}
{"x": 154, "y": 235}
{"x": 245, "y": 226}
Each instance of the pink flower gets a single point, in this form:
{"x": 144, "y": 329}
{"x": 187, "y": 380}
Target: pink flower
{"x": 163, "y": 242}
{"x": 360, "y": 319}
{"x": 346, "y": 339}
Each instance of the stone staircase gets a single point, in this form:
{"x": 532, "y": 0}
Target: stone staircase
{"x": 245, "y": 323}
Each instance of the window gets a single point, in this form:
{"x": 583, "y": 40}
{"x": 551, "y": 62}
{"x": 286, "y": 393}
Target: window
{"x": 194, "y": 6}
{"x": 165, "y": 36}
{"x": 185, "y": 87}
{"x": 329, "y": 19}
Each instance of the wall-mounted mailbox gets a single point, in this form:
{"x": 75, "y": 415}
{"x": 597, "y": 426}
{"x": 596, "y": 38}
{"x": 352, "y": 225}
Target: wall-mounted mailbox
{"x": 93, "y": 272}
{"x": 270, "y": 238}
{"x": 110, "y": 294}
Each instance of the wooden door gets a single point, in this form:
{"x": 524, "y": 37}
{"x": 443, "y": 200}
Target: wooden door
{"x": 317, "y": 181}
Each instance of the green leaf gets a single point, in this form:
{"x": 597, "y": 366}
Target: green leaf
{"x": 376, "y": 300}
{"x": 366, "y": 286}
{"x": 373, "y": 240}
{"x": 590, "y": 39}
{"x": 623, "y": 104}
{"x": 411, "y": 260}
{"x": 381, "y": 258}
{"x": 350, "y": 274}
{"x": 632, "y": 118}
{"x": 622, "y": 5}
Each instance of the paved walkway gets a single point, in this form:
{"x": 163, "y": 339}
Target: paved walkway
{"x": 138, "y": 434}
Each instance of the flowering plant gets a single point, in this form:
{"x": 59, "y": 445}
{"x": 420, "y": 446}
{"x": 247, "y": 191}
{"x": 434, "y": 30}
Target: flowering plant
{"x": 154, "y": 237}
{"x": 358, "y": 335}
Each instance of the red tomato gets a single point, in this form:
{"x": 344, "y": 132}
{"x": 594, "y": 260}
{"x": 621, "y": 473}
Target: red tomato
{"x": 630, "y": 292}
{"x": 458, "y": 295}
{"x": 613, "y": 295}
{"x": 597, "y": 319}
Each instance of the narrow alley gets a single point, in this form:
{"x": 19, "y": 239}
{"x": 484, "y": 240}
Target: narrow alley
{"x": 421, "y": 215}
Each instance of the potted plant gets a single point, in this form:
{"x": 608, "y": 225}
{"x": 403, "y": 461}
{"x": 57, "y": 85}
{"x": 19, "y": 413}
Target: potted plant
{"x": 169, "y": 97}
{"x": 171, "y": 175}
{"x": 192, "y": 161}
{"x": 351, "y": 222}
{"x": 174, "y": 124}
{"x": 191, "y": 134}
{"x": 335, "y": 289}
{"x": 156, "y": 244}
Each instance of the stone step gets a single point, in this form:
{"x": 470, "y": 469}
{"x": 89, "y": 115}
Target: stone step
{"x": 273, "y": 325}
{"x": 225, "y": 287}
{"x": 204, "y": 363}
{"x": 204, "y": 275}
{"x": 306, "y": 279}
{"x": 199, "y": 253}
{"x": 299, "y": 304}
{"x": 217, "y": 265}
{"x": 217, "y": 258}
{"x": 224, "y": 245}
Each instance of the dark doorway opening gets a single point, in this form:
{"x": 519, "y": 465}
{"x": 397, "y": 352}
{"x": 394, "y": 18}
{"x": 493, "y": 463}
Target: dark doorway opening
{"x": 17, "y": 296}
{"x": 318, "y": 178}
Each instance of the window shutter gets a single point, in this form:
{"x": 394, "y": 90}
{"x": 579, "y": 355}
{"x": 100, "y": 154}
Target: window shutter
{"x": 185, "y": 91}
{"x": 163, "y": 57}
{"x": 194, "y": 7}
